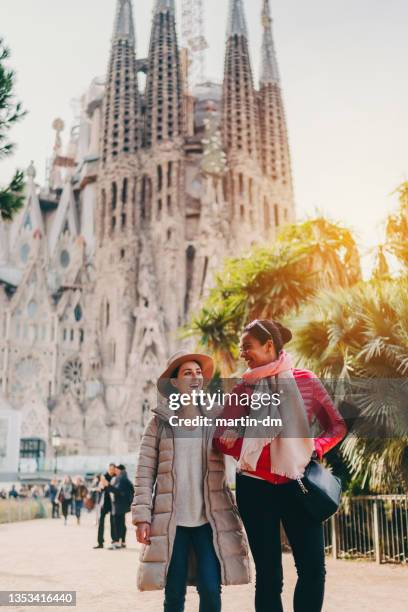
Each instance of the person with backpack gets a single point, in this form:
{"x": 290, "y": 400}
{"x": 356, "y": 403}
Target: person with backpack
{"x": 121, "y": 492}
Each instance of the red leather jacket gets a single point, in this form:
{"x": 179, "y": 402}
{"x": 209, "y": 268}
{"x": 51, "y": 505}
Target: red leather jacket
{"x": 318, "y": 406}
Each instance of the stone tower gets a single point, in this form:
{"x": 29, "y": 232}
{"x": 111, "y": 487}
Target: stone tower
{"x": 117, "y": 223}
{"x": 275, "y": 147}
{"x": 259, "y": 202}
{"x": 164, "y": 118}
{"x": 162, "y": 193}
{"x": 240, "y": 114}
{"x": 240, "y": 128}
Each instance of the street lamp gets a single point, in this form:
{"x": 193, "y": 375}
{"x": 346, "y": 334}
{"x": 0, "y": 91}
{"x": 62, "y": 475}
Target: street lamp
{"x": 56, "y": 443}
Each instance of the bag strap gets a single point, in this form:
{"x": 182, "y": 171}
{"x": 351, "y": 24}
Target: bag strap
{"x": 305, "y": 491}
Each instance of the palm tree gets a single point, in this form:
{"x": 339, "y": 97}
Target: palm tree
{"x": 331, "y": 251}
{"x": 359, "y": 336}
{"x": 381, "y": 270}
{"x": 397, "y": 228}
{"x": 396, "y": 232}
{"x": 269, "y": 282}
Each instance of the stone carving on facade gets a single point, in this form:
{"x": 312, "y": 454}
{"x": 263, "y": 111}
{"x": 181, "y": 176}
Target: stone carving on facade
{"x": 27, "y": 379}
{"x": 34, "y": 418}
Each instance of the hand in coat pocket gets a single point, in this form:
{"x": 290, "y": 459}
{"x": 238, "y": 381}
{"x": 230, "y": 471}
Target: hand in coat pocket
{"x": 143, "y": 533}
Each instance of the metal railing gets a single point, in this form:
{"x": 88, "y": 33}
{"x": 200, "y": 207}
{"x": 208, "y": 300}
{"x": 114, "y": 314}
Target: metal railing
{"x": 370, "y": 527}
{"x": 373, "y": 528}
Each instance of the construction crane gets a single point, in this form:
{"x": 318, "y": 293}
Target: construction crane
{"x": 193, "y": 39}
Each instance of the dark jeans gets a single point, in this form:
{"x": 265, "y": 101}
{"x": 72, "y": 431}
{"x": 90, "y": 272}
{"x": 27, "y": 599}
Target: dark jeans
{"x": 101, "y": 527}
{"x": 208, "y": 570}
{"x": 55, "y": 509}
{"x": 65, "y": 506}
{"x": 263, "y": 506}
{"x": 120, "y": 527}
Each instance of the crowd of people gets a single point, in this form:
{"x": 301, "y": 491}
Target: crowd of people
{"x": 24, "y": 492}
{"x": 70, "y": 495}
{"x": 109, "y": 494}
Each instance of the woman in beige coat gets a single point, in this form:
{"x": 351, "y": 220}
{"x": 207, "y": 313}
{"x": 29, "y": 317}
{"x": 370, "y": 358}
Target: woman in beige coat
{"x": 184, "y": 512}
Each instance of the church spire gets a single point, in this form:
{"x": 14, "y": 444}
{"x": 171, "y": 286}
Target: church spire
{"x": 121, "y": 122}
{"x": 269, "y": 63}
{"x": 237, "y": 22}
{"x": 124, "y": 28}
{"x": 165, "y": 5}
{"x": 29, "y": 222}
{"x": 275, "y": 156}
{"x": 240, "y": 113}
{"x": 121, "y": 131}
{"x": 164, "y": 104}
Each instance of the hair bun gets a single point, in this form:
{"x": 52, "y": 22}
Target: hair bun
{"x": 284, "y": 331}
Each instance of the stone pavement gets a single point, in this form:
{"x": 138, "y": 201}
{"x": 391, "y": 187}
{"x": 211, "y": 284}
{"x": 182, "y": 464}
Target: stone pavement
{"x": 45, "y": 555}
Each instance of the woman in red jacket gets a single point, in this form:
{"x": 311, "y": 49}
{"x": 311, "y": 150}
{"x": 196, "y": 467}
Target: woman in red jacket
{"x": 268, "y": 465}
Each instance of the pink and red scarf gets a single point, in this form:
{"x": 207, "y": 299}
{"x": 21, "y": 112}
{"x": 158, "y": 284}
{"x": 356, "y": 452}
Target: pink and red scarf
{"x": 289, "y": 455}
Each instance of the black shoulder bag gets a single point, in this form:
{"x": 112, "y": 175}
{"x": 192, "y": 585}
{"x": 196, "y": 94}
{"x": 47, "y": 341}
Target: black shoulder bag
{"x": 319, "y": 491}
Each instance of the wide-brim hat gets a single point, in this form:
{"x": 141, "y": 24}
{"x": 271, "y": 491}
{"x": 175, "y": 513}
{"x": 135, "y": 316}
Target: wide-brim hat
{"x": 206, "y": 362}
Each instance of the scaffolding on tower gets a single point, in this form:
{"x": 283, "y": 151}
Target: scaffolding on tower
{"x": 194, "y": 41}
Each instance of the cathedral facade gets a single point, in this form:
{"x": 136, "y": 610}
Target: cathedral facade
{"x": 107, "y": 261}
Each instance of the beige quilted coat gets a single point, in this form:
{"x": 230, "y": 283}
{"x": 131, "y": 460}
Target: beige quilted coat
{"x": 154, "y": 503}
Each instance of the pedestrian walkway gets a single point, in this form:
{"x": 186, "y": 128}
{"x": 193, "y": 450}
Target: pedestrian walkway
{"x": 45, "y": 555}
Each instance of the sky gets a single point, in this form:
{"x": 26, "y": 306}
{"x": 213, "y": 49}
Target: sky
{"x": 343, "y": 65}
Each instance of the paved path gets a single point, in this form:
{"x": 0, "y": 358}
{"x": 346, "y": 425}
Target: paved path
{"x": 45, "y": 555}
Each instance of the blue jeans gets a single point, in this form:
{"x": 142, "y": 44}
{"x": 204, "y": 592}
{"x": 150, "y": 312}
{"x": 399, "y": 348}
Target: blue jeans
{"x": 208, "y": 570}
{"x": 78, "y": 507}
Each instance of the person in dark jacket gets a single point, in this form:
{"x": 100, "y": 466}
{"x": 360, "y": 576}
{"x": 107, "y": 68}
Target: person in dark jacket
{"x": 121, "y": 491}
{"x": 13, "y": 493}
{"x": 52, "y": 492}
{"x": 105, "y": 507}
